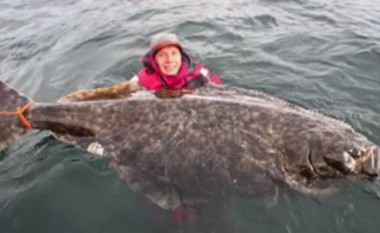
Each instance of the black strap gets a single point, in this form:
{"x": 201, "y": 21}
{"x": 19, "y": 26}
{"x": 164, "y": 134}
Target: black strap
{"x": 164, "y": 84}
{"x": 197, "y": 82}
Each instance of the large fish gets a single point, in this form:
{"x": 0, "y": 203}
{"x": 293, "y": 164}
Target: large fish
{"x": 213, "y": 143}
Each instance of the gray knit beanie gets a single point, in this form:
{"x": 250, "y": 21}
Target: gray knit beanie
{"x": 163, "y": 39}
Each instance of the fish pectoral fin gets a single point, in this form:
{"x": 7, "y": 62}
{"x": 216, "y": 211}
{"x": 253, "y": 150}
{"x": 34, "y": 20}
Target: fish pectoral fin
{"x": 89, "y": 144}
{"x": 72, "y": 130}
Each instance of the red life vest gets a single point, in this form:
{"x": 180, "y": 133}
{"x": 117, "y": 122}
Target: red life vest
{"x": 191, "y": 75}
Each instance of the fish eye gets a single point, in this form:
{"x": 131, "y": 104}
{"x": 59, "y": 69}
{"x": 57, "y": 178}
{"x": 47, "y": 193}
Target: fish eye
{"x": 355, "y": 153}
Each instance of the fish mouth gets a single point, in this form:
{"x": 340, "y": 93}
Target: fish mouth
{"x": 356, "y": 162}
{"x": 371, "y": 166}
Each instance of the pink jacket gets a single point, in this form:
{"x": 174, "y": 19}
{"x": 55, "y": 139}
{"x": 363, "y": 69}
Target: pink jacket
{"x": 191, "y": 75}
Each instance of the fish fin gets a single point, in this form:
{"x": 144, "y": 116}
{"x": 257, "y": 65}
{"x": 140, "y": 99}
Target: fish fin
{"x": 119, "y": 91}
{"x": 83, "y": 142}
{"x": 11, "y": 127}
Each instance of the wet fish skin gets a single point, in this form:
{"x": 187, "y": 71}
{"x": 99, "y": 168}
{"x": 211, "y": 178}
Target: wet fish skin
{"x": 212, "y": 143}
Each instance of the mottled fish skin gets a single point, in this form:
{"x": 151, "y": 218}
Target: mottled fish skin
{"x": 213, "y": 143}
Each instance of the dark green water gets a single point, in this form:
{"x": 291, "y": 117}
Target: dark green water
{"x": 323, "y": 55}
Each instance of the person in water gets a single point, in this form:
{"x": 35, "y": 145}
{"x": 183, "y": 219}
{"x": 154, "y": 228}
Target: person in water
{"x": 168, "y": 66}
{"x": 165, "y": 66}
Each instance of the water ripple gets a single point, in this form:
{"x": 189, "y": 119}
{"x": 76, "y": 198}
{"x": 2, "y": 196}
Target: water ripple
{"x": 321, "y": 54}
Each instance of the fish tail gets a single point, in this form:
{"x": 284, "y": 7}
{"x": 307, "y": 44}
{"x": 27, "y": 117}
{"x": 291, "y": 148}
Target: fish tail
{"x": 13, "y": 123}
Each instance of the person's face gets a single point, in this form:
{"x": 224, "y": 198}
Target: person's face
{"x": 169, "y": 59}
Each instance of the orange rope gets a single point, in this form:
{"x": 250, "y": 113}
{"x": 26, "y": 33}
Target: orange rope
{"x": 20, "y": 113}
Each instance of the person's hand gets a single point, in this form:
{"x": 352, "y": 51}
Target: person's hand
{"x": 132, "y": 86}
